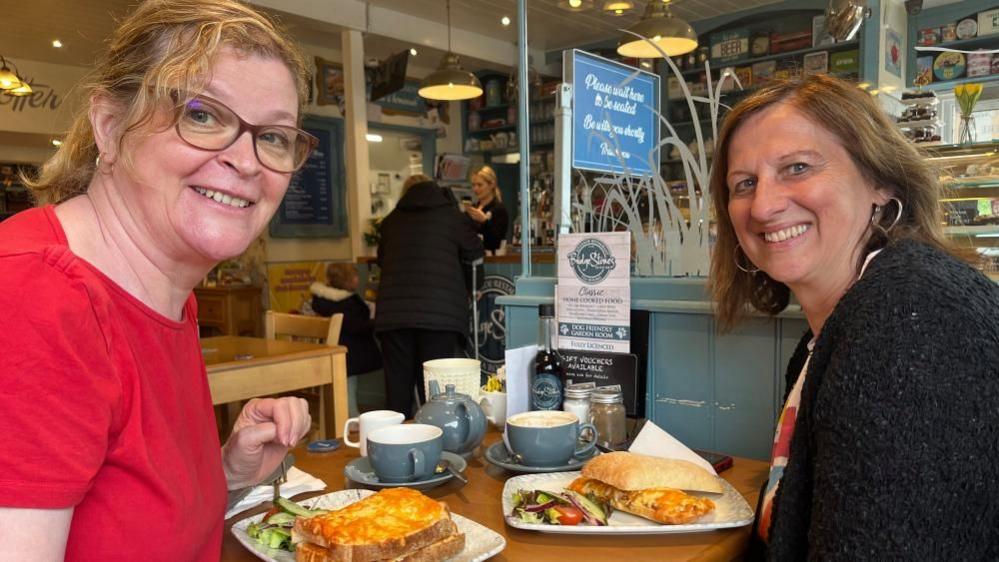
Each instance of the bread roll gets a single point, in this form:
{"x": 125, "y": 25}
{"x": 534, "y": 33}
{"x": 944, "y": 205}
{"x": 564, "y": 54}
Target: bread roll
{"x": 631, "y": 471}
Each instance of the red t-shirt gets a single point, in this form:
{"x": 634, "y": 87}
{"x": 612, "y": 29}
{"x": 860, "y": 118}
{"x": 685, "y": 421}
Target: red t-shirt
{"x": 104, "y": 406}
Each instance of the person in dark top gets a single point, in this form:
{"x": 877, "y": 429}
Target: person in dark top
{"x": 489, "y": 213}
{"x": 357, "y": 334}
{"x": 888, "y": 442}
{"x": 427, "y": 246}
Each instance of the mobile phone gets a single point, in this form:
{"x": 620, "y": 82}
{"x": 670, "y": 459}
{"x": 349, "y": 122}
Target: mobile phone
{"x": 719, "y": 461}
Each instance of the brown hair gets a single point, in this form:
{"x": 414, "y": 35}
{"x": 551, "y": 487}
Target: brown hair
{"x": 338, "y": 273}
{"x": 489, "y": 175}
{"x": 163, "y": 46}
{"x": 878, "y": 149}
{"x": 413, "y": 180}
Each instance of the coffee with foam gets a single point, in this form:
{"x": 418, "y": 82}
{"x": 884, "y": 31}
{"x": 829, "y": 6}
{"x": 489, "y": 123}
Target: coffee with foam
{"x": 543, "y": 418}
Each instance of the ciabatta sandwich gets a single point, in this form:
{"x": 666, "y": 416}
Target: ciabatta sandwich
{"x": 649, "y": 487}
{"x": 395, "y": 524}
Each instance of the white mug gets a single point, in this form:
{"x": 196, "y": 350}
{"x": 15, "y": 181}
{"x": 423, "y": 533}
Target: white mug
{"x": 494, "y": 406}
{"x": 368, "y": 422}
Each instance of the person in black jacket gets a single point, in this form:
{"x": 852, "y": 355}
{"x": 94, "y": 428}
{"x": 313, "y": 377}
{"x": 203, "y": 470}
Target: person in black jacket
{"x": 357, "y": 332}
{"x": 887, "y": 447}
{"x": 489, "y": 213}
{"x": 425, "y": 252}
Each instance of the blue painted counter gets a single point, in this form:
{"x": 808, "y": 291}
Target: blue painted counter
{"x": 711, "y": 391}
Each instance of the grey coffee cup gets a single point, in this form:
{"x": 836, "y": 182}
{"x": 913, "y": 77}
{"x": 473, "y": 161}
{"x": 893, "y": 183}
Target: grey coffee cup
{"x": 547, "y": 437}
{"x": 405, "y": 452}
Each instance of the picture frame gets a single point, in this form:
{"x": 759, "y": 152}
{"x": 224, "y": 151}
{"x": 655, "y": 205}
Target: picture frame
{"x": 329, "y": 82}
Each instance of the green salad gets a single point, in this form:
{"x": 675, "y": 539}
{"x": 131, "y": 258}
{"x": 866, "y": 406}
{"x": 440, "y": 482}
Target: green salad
{"x": 274, "y": 530}
{"x": 562, "y": 508}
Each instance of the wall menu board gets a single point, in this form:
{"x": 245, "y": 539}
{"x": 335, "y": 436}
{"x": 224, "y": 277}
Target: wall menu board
{"x": 315, "y": 205}
{"x": 615, "y": 115}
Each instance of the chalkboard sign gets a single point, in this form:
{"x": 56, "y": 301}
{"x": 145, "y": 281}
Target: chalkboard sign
{"x": 605, "y": 369}
{"x": 615, "y": 115}
{"x": 315, "y": 205}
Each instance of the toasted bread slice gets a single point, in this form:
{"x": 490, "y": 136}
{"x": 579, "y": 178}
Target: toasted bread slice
{"x": 390, "y": 524}
{"x": 631, "y": 471}
{"x": 446, "y": 548}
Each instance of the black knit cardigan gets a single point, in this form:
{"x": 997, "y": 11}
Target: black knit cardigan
{"x": 895, "y": 454}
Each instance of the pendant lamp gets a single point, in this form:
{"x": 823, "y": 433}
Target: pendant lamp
{"x": 672, "y": 35}
{"x": 618, "y": 7}
{"x": 22, "y": 89}
{"x": 8, "y": 78}
{"x": 450, "y": 81}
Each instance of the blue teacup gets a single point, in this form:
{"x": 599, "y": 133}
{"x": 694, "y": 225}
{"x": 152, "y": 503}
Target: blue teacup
{"x": 547, "y": 437}
{"x": 405, "y": 452}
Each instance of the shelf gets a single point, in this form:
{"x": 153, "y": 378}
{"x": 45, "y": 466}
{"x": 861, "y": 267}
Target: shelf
{"x": 927, "y": 102}
{"x": 917, "y": 124}
{"x": 492, "y": 108}
{"x": 985, "y": 230}
{"x": 493, "y": 129}
{"x": 966, "y": 192}
{"x": 938, "y": 86}
{"x": 961, "y": 44}
{"x": 833, "y": 47}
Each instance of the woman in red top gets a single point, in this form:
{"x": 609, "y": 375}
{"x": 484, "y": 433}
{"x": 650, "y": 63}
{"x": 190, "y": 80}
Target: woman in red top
{"x": 177, "y": 162}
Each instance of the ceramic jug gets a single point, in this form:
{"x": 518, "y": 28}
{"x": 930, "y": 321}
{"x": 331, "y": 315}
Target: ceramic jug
{"x": 459, "y": 416}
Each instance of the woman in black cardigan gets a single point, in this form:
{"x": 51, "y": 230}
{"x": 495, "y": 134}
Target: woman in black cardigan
{"x": 888, "y": 443}
{"x": 488, "y": 212}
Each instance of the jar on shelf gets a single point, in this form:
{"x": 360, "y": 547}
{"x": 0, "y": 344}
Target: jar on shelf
{"x": 577, "y": 400}
{"x": 608, "y": 416}
{"x": 474, "y": 121}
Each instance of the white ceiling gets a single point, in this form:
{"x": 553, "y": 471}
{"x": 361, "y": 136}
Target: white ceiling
{"x": 82, "y": 25}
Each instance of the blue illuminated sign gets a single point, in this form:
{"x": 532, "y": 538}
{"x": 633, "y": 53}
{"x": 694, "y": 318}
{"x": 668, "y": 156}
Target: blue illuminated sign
{"x": 615, "y": 116}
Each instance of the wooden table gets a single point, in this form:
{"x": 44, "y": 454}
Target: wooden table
{"x": 480, "y": 500}
{"x": 240, "y": 368}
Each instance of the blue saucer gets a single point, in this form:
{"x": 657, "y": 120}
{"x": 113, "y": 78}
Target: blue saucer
{"x": 498, "y": 455}
{"x": 361, "y": 472}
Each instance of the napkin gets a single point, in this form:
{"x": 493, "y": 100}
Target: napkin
{"x": 655, "y": 442}
{"x": 298, "y": 482}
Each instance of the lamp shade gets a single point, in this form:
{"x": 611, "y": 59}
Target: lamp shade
{"x": 672, "y": 35}
{"x": 450, "y": 82}
{"x": 23, "y": 89}
{"x": 8, "y": 80}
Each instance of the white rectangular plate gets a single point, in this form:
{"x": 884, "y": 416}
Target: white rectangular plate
{"x": 731, "y": 510}
{"x": 480, "y": 541}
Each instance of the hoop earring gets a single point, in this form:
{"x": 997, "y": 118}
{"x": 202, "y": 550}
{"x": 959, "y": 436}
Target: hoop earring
{"x": 877, "y": 209}
{"x": 752, "y": 271}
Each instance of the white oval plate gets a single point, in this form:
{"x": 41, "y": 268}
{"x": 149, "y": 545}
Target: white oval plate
{"x": 480, "y": 541}
{"x": 731, "y": 510}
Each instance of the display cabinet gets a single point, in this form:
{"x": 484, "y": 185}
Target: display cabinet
{"x": 969, "y": 176}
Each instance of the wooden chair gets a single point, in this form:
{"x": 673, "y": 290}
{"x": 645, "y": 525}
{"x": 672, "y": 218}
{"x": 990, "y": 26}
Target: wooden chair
{"x": 317, "y": 329}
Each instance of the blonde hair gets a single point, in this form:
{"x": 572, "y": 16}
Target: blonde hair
{"x": 413, "y": 180}
{"x": 338, "y": 273}
{"x": 162, "y": 47}
{"x": 489, "y": 176}
{"x": 878, "y": 149}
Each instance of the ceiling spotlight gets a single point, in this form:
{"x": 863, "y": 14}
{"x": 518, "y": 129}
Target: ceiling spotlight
{"x": 618, "y": 7}
{"x": 372, "y": 137}
{"x": 412, "y": 51}
{"x": 505, "y": 20}
{"x": 575, "y": 5}
{"x": 57, "y": 44}
{"x": 56, "y": 142}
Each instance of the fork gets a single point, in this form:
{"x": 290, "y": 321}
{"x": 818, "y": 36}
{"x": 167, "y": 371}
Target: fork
{"x": 281, "y": 479}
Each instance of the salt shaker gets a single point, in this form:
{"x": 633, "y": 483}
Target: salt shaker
{"x": 577, "y": 400}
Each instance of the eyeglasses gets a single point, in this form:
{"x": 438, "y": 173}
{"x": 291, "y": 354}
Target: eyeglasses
{"x": 208, "y": 124}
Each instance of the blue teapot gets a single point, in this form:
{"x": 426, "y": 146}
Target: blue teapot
{"x": 459, "y": 417}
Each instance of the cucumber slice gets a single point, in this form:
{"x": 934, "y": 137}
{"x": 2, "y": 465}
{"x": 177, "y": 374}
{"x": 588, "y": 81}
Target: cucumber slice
{"x": 295, "y": 509}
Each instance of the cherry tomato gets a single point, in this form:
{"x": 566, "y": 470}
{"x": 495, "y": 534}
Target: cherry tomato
{"x": 569, "y": 514}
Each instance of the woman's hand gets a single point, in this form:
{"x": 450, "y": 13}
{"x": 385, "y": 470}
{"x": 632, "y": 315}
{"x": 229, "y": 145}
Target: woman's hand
{"x": 261, "y": 437}
{"x": 476, "y": 214}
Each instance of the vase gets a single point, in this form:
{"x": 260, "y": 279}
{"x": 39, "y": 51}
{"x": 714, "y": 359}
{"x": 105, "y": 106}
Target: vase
{"x": 966, "y": 130}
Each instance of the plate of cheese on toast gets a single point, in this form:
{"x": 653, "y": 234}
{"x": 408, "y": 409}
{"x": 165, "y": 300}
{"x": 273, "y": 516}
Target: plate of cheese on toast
{"x": 625, "y": 493}
{"x": 362, "y": 526}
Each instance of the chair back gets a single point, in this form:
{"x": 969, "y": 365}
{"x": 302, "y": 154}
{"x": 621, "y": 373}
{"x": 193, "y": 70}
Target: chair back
{"x": 279, "y": 325}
